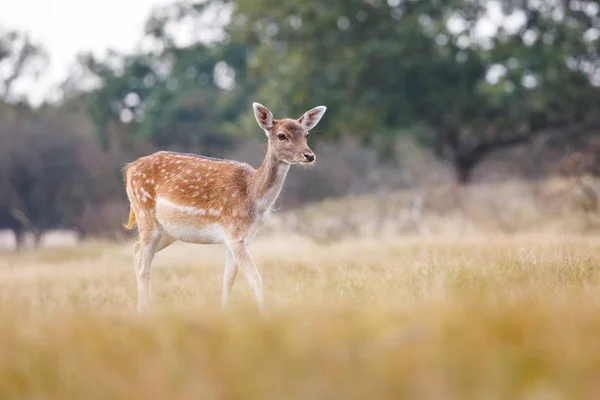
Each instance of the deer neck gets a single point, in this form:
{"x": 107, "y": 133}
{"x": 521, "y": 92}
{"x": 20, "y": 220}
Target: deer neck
{"x": 268, "y": 181}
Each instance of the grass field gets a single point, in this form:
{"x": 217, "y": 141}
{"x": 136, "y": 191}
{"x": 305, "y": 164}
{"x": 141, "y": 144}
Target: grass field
{"x": 495, "y": 317}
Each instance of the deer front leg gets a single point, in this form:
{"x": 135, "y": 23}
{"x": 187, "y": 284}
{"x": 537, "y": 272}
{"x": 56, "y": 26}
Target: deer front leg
{"x": 242, "y": 257}
{"x": 231, "y": 270}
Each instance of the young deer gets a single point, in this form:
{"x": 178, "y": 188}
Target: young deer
{"x": 196, "y": 199}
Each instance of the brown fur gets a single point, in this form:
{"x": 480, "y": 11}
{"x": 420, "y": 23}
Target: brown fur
{"x": 191, "y": 181}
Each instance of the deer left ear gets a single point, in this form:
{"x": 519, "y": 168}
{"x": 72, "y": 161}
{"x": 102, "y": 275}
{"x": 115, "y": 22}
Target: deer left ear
{"x": 311, "y": 118}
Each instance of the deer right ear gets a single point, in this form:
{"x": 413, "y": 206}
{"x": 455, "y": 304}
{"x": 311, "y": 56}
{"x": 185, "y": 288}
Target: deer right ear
{"x": 263, "y": 116}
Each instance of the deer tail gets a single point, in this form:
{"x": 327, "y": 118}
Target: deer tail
{"x": 130, "y": 224}
{"x": 131, "y": 221}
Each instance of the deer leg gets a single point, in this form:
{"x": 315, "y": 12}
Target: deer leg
{"x": 147, "y": 249}
{"x": 164, "y": 241}
{"x": 231, "y": 270}
{"x": 142, "y": 258}
{"x": 136, "y": 255}
{"x": 243, "y": 258}
{"x": 137, "y": 258}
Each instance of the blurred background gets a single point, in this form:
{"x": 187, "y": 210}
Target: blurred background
{"x": 443, "y": 115}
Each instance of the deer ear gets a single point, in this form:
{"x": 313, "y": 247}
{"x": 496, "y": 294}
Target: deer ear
{"x": 263, "y": 116}
{"x": 311, "y": 118}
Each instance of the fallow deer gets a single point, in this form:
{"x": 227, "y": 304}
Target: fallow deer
{"x": 197, "y": 199}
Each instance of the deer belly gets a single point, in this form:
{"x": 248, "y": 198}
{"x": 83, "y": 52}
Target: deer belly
{"x": 207, "y": 234}
{"x": 188, "y": 224}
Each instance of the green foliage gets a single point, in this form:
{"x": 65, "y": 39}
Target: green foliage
{"x": 382, "y": 68}
{"x": 390, "y": 66}
{"x": 170, "y": 96}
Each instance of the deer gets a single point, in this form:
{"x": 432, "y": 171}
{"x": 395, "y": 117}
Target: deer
{"x": 196, "y": 199}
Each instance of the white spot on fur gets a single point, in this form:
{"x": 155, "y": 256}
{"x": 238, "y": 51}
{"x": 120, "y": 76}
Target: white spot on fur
{"x": 146, "y": 195}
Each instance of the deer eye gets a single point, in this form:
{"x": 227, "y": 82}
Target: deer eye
{"x": 281, "y": 136}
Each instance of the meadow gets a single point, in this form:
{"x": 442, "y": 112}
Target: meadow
{"x": 437, "y": 317}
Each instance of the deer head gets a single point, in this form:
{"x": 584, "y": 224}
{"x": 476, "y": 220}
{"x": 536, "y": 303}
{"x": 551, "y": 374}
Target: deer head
{"x": 288, "y": 137}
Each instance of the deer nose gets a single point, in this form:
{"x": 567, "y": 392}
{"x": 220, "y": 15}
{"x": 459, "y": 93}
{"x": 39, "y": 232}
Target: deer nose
{"x": 309, "y": 157}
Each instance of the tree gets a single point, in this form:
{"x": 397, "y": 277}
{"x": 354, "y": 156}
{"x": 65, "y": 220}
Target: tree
{"x": 171, "y": 95}
{"x": 401, "y": 66}
{"x": 20, "y": 59}
{"x": 49, "y": 170}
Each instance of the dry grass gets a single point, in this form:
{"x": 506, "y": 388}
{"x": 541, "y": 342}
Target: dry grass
{"x": 428, "y": 318}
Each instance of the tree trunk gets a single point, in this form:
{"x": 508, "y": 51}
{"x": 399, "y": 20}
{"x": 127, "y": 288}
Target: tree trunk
{"x": 19, "y": 239}
{"x": 463, "y": 175}
{"x": 463, "y": 169}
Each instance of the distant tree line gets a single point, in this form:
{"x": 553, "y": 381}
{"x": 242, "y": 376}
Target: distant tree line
{"x": 428, "y": 70}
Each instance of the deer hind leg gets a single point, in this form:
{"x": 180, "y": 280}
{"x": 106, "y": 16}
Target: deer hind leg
{"x": 149, "y": 244}
{"x": 242, "y": 256}
{"x": 231, "y": 270}
{"x": 137, "y": 254}
{"x": 165, "y": 241}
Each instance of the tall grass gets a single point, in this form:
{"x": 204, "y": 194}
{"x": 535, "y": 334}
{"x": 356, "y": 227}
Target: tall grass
{"x": 491, "y": 317}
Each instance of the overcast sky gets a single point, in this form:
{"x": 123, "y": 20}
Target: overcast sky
{"x": 66, "y": 27}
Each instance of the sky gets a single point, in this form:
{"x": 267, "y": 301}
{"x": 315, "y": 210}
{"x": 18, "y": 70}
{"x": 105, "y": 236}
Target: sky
{"x": 67, "y": 27}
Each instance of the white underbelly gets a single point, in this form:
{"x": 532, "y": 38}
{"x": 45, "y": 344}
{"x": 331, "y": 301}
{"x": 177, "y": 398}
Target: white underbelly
{"x": 207, "y": 234}
{"x": 188, "y": 224}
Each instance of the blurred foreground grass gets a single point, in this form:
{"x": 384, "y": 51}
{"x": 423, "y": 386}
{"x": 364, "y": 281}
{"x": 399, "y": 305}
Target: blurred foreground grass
{"x": 491, "y": 317}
